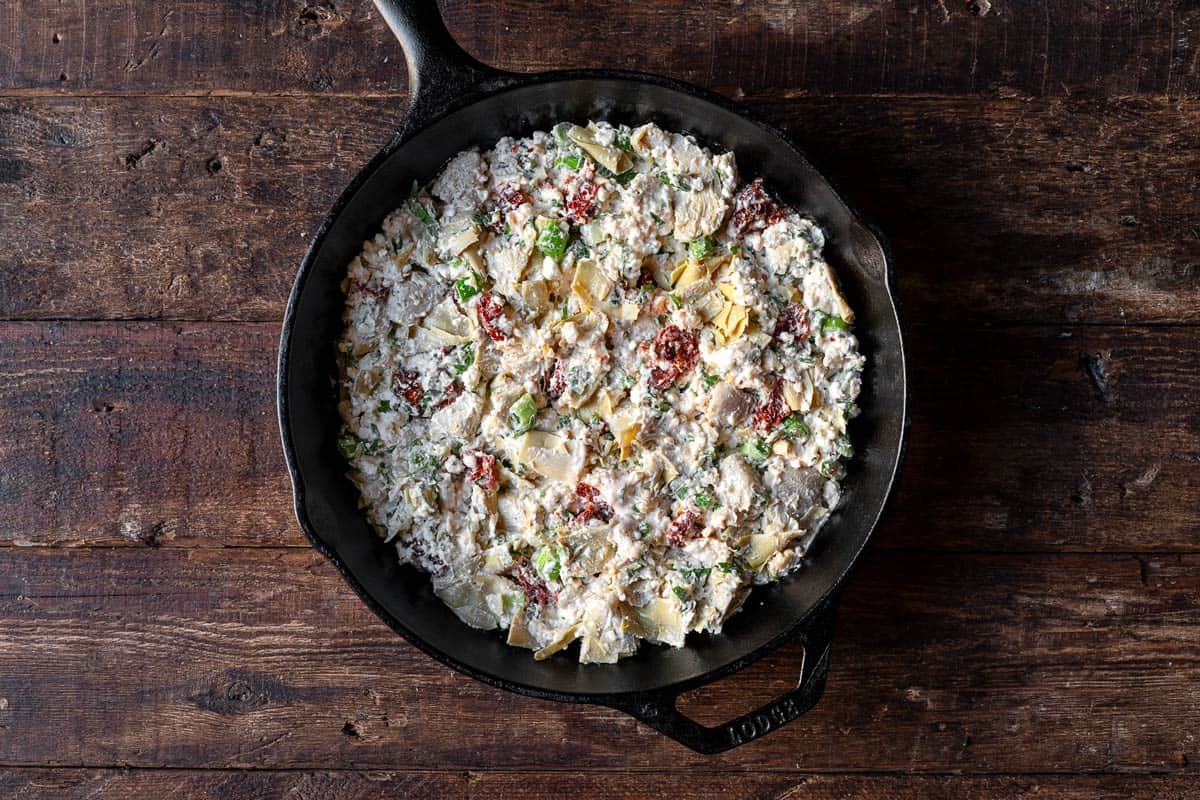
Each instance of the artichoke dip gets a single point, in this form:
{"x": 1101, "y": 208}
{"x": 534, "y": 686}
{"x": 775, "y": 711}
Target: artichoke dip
{"x": 596, "y": 387}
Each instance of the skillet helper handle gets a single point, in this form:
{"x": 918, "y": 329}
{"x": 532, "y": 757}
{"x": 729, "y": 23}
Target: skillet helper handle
{"x": 658, "y": 710}
{"x": 441, "y": 75}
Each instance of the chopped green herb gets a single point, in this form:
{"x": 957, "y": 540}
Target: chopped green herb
{"x": 696, "y": 575}
{"x": 830, "y": 468}
{"x": 414, "y": 205}
{"x": 521, "y": 414}
{"x": 844, "y": 448}
{"x": 681, "y": 492}
{"x": 481, "y": 219}
{"x": 622, "y": 141}
{"x": 675, "y": 301}
{"x": 734, "y": 564}
{"x": 656, "y": 218}
{"x": 384, "y": 406}
{"x": 566, "y": 310}
{"x": 643, "y": 530}
{"x": 755, "y": 450}
{"x": 706, "y": 500}
{"x": 348, "y": 444}
{"x": 466, "y": 359}
{"x": 552, "y": 240}
{"x": 681, "y": 593}
{"x": 468, "y": 286}
{"x": 699, "y": 248}
{"x": 621, "y": 178}
{"x": 794, "y": 426}
{"x": 709, "y": 380}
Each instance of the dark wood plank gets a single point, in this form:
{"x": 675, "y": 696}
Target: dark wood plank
{"x": 755, "y": 786}
{"x": 1022, "y": 439}
{"x": 138, "y": 784}
{"x": 141, "y": 433}
{"x": 133, "y": 784}
{"x": 1066, "y": 47}
{"x": 201, "y": 208}
{"x": 262, "y": 658}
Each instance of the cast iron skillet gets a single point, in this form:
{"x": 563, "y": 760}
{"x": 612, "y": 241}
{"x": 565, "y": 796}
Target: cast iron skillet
{"x": 459, "y": 103}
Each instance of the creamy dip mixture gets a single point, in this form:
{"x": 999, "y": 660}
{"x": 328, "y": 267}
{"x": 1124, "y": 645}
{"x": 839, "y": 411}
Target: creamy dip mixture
{"x": 596, "y": 387}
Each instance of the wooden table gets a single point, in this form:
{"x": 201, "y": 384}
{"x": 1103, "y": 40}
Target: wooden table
{"x": 1027, "y": 621}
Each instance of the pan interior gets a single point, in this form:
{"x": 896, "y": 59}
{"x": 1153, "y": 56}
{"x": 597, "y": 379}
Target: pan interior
{"x": 401, "y": 594}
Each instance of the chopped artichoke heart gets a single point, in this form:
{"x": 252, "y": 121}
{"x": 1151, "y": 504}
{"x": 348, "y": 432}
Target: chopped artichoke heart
{"x": 445, "y": 322}
{"x": 460, "y": 240}
{"x": 518, "y": 632}
{"x": 613, "y": 159}
{"x": 590, "y": 285}
{"x": 763, "y": 546}
{"x": 839, "y": 302}
{"x": 687, "y": 272}
{"x": 629, "y": 311}
{"x": 662, "y": 621}
{"x": 731, "y": 321}
{"x": 564, "y": 639}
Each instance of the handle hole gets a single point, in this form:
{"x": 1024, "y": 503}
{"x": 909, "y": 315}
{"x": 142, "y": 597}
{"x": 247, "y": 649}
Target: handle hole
{"x": 745, "y": 690}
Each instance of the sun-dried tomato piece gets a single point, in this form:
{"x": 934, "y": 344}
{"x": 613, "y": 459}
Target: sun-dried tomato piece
{"x": 680, "y": 350}
{"x": 591, "y": 504}
{"x": 536, "y": 590}
{"x": 380, "y": 294}
{"x": 510, "y": 198}
{"x": 773, "y": 410}
{"x": 489, "y": 309}
{"x": 793, "y": 319}
{"x": 677, "y": 346}
{"x": 663, "y": 377}
{"x": 556, "y": 381}
{"x": 682, "y": 528}
{"x": 581, "y": 203}
{"x": 753, "y": 209}
{"x": 407, "y": 384}
{"x": 484, "y": 472}
{"x": 450, "y": 394}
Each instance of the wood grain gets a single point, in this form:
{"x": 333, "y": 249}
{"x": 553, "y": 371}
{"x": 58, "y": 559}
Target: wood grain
{"x": 263, "y": 659}
{"x": 126, "y": 784}
{"x": 200, "y": 208}
{"x": 1061, "y": 48}
{"x": 1023, "y": 439}
{"x": 137, "y": 784}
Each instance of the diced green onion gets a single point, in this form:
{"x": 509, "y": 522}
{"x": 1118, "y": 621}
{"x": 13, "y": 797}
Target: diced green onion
{"x": 699, "y": 248}
{"x": 794, "y": 426}
{"x": 675, "y": 301}
{"x": 622, "y": 141}
{"x": 825, "y": 321}
{"x": 548, "y": 562}
{"x": 572, "y": 161}
{"x": 521, "y": 414}
{"x": 482, "y": 220}
{"x": 385, "y": 406}
{"x": 681, "y": 593}
{"x": 755, "y": 451}
{"x": 705, "y": 500}
{"x": 656, "y": 218}
{"x": 643, "y": 530}
{"x": 414, "y": 205}
{"x": 681, "y": 492}
{"x": 552, "y": 240}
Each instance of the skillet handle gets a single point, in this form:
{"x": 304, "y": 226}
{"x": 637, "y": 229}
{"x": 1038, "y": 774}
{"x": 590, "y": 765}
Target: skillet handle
{"x": 657, "y": 709}
{"x": 441, "y": 75}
